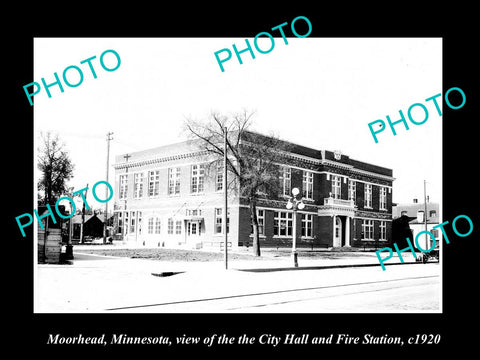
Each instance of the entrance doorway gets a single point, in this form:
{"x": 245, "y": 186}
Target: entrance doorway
{"x": 337, "y": 233}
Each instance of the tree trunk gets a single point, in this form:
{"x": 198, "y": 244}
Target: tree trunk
{"x": 253, "y": 214}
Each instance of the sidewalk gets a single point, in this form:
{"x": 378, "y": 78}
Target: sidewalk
{"x": 95, "y": 283}
{"x": 269, "y": 261}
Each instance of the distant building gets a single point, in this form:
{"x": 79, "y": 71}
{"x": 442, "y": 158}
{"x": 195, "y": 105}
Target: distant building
{"x": 415, "y": 212}
{"x": 93, "y": 226}
{"x": 166, "y": 197}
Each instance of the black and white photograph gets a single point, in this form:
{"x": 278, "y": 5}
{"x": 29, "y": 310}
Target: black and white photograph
{"x": 307, "y": 149}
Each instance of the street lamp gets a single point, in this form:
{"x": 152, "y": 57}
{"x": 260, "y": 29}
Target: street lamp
{"x": 294, "y": 204}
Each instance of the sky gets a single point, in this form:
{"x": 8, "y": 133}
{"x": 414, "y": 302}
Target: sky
{"x": 317, "y": 92}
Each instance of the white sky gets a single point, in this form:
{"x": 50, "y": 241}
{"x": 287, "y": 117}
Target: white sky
{"x": 317, "y": 92}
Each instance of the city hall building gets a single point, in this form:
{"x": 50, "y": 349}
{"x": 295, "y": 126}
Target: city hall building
{"x": 172, "y": 196}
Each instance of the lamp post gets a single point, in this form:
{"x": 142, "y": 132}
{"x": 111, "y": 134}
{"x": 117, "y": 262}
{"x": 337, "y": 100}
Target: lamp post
{"x": 294, "y": 204}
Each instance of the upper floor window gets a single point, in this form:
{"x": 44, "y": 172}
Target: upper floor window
{"x": 153, "y": 183}
{"x": 383, "y": 198}
{"x": 197, "y": 179}
{"x": 173, "y": 181}
{"x": 352, "y": 191}
{"x": 307, "y": 185}
{"x": 286, "y": 180}
{"x": 336, "y": 187}
{"x": 123, "y": 186}
{"x": 219, "y": 177}
{"x": 138, "y": 185}
{"x": 368, "y": 195}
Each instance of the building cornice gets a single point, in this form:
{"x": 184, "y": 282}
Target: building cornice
{"x": 158, "y": 160}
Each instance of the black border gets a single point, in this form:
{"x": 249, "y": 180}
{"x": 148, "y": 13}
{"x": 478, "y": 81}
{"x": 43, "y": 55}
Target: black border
{"x": 28, "y": 331}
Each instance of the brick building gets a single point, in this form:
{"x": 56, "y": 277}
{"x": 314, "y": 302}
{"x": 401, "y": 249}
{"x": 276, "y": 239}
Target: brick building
{"x": 170, "y": 196}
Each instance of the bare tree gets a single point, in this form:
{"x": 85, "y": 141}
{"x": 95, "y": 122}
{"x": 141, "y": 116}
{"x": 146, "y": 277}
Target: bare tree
{"x": 56, "y": 168}
{"x": 253, "y": 159}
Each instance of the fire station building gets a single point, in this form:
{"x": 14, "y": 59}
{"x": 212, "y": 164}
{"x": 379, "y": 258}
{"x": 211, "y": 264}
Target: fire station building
{"x": 169, "y": 197}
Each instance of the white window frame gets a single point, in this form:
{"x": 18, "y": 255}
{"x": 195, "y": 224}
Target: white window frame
{"x": 150, "y": 225}
{"x": 132, "y": 225}
{"x": 307, "y": 225}
{"x": 218, "y": 221}
{"x": 383, "y": 198}
{"x": 285, "y": 217}
{"x": 368, "y": 195}
{"x": 219, "y": 177}
{"x": 367, "y": 228}
{"x": 123, "y": 183}
{"x": 336, "y": 186}
{"x": 170, "y": 226}
{"x": 153, "y": 183}
{"x": 138, "y": 185}
{"x": 178, "y": 227}
{"x": 174, "y": 181}
{"x": 261, "y": 222}
{"x": 383, "y": 231}
{"x": 158, "y": 225}
{"x": 286, "y": 176}
{"x": 307, "y": 185}
{"x": 197, "y": 178}
{"x": 352, "y": 191}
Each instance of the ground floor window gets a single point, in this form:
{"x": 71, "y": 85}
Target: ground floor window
{"x": 367, "y": 229}
{"x": 219, "y": 219}
{"x": 282, "y": 223}
{"x": 383, "y": 230}
{"x": 261, "y": 222}
{"x": 307, "y": 225}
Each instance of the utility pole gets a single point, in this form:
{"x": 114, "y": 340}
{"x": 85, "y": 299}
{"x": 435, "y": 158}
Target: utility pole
{"x": 83, "y": 218}
{"x": 225, "y": 196}
{"x": 425, "y": 216}
{"x": 106, "y": 189}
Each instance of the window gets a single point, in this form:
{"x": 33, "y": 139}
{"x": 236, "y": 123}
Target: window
{"x": 367, "y": 229}
{"x": 383, "y": 198}
{"x": 153, "y": 183}
{"x": 178, "y": 227}
{"x": 157, "y": 225}
{"x": 139, "y": 222}
{"x": 132, "y": 222}
{"x": 282, "y": 223}
{"x": 352, "y": 191}
{"x": 368, "y": 195}
{"x": 174, "y": 181}
{"x": 286, "y": 180}
{"x": 307, "y": 185}
{"x": 120, "y": 223}
{"x": 123, "y": 186}
{"x": 307, "y": 225}
{"x": 219, "y": 219}
{"x": 433, "y": 213}
{"x": 193, "y": 212}
{"x": 383, "y": 230}
{"x": 138, "y": 185}
{"x": 261, "y": 222}
{"x": 198, "y": 173}
{"x": 150, "y": 226}
{"x": 219, "y": 177}
{"x": 170, "y": 226}
{"x": 336, "y": 187}
{"x": 126, "y": 222}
